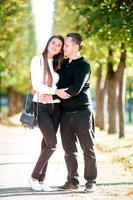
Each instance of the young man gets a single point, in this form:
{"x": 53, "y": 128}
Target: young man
{"x": 77, "y": 119}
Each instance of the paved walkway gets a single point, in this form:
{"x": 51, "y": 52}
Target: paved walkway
{"x": 19, "y": 149}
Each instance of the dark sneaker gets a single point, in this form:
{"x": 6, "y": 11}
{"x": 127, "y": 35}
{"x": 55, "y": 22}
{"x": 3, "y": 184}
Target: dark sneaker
{"x": 90, "y": 187}
{"x": 68, "y": 186}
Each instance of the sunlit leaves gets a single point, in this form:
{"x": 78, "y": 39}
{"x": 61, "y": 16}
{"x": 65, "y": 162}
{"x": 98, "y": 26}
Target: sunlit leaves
{"x": 17, "y": 43}
{"x": 101, "y": 23}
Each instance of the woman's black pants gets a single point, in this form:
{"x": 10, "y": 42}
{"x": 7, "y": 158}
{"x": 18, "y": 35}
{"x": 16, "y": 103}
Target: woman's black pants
{"x": 48, "y": 121}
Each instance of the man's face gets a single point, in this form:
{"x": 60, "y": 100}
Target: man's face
{"x": 70, "y": 48}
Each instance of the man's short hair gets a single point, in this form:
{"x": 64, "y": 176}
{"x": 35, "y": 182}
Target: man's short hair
{"x": 76, "y": 38}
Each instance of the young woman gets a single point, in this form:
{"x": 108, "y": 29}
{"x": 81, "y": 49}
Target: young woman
{"x": 44, "y": 76}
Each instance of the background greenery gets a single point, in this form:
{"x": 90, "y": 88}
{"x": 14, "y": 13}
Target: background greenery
{"x": 17, "y": 46}
{"x": 105, "y": 25}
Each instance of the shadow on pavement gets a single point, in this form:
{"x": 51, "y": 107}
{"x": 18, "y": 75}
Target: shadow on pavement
{"x": 115, "y": 184}
{"x": 27, "y": 191}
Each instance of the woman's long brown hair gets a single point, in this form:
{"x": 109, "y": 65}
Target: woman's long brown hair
{"x": 57, "y": 60}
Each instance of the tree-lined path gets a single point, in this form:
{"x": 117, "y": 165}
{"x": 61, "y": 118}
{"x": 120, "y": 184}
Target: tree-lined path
{"x": 18, "y": 152}
{"x": 106, "y": 28}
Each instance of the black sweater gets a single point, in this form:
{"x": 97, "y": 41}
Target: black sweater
{"x": 75, "y": 76}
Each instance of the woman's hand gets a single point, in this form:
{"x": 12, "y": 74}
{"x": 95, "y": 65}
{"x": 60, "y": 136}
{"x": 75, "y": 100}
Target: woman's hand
{"x": 62, "y": 94}
{"x": 46, "y": 98}
{"x": 33, "y": 91}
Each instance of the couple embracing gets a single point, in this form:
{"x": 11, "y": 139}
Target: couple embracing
{"x": 61, "y": 78}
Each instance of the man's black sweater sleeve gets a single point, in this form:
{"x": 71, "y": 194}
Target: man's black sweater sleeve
{"x": 81, "y": 76}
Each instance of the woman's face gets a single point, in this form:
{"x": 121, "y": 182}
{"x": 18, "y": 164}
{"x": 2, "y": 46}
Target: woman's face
{"x": 54, "y": 46}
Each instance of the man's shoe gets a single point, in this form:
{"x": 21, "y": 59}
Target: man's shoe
{"x": 34, "y": 184}
{"x": 90, "y": 187}
{"x": 68, "y": 186}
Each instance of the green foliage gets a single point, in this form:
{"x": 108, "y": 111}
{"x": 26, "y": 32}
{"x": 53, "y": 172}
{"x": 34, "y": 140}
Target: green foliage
{"x": 111, "y": 20}
{"x": 102, "y": 23}
{"x": 17, "y": 43}
{"x": 64, "y": 20}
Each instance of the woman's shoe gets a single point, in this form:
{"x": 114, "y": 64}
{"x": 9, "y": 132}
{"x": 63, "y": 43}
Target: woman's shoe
{"x": 34, "y": 184}
{"x": 45, "y": 187}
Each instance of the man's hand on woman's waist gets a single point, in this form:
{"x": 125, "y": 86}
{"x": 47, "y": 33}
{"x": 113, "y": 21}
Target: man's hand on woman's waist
{"x": 62, "y": 94}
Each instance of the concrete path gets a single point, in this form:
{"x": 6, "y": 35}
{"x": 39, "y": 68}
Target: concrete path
{"x": 19, "y": 149}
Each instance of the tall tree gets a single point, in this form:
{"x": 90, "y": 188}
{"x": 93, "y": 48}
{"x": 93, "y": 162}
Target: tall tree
{"x": 112, "y": 93}
{"x": 16, "y": 48}
{"x": 111, "y": 21}
{"x": 101, "y": 87}
{"x": 121, "y": 95}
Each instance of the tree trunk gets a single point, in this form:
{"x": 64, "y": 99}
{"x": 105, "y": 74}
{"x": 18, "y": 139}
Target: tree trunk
{"x": 98, "y": 110}
{"x": 112, "y": 106}
{"x": 112, "y": 99}
{"x": 20, "y": 99}
{"x": 121, "y": 107}
{"x": 121, "y": 97}
{"x": 102, "y": 113}
{"x": 15, "y": 102}
{"x": 130, "y": 104}
{"x": 100, "y": 96}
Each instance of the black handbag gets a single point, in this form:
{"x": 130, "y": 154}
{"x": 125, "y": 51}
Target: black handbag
{"x": 27, "y": 119}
